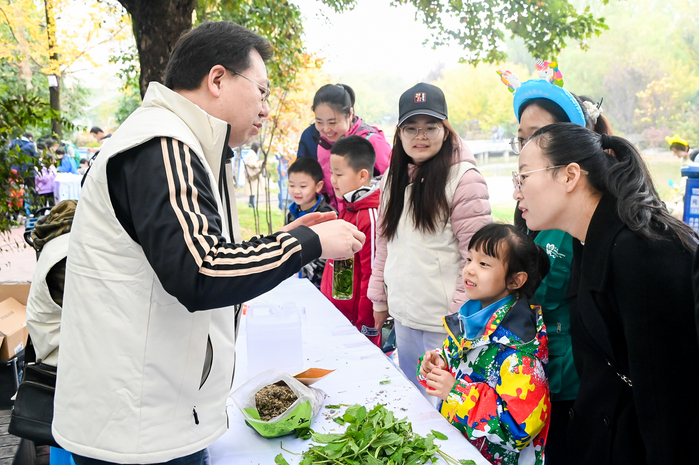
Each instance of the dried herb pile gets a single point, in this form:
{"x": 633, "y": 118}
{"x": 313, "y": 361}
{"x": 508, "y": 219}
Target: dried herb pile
{"x": 374, "y": 438}
{"x": 273, "y": 400}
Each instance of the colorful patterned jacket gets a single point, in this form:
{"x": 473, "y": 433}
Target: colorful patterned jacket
{"x": 501, "y": 399}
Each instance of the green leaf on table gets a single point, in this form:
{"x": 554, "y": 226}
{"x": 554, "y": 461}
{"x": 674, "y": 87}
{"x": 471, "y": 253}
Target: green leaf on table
{"x": 326, "y": 438}
{"x": 280, "y": 460}
{"x": 385, "y": 381}
{"x": 387, "y": 439}
{"x": 333, "y": 406}
{"x": 439, "y": 435}
{"x": 303, "y": 433}
{"x": 467, "y": 462}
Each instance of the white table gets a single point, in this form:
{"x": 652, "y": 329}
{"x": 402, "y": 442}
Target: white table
{"x": 67, "y": 186}
{"x": 333, "y": 343}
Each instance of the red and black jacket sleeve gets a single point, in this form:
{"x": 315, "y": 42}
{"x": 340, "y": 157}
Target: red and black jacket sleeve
{"x": 162, "y": 197}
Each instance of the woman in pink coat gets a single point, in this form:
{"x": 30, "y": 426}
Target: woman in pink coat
{"x": 433, "y": 200}
{"x": 333, "y": 106}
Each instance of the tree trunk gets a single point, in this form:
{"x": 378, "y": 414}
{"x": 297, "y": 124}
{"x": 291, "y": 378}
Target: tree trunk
{"x": 157, "y": 24}
{"x": 54, "y": 67}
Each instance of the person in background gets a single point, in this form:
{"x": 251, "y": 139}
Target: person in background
{"x": 537, "y": 103}
{"x": 50, "y": 238}
{"x": 333, "y": 106}
{"x": 253, "y": 169}
{"x": 45, "y": 181}
{"x": 68, "y": 164}
{"x": 26, "y": 171}
{"x": 84, "y": 165}
{"x": 352, "y": 164}
{"x": 680, "y": 148}
{"x": 632, "y": 317}
{"x": 490, "y": 371}
{"x": 433, "y": 199}
{"x": 99, "y": 135}
{"x": 305, "y": 184}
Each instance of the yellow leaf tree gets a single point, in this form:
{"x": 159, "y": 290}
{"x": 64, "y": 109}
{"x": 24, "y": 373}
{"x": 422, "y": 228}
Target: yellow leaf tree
{"x": 57, "y": 37}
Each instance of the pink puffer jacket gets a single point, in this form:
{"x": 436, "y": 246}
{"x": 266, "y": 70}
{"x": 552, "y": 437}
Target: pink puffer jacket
{"x": 470, "y": 211}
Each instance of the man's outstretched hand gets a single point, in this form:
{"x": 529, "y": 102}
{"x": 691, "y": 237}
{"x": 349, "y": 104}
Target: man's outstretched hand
{"x": 310, "y": 219}
{"x": 338, "y": 239}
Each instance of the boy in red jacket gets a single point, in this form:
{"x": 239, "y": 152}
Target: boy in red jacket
{"x": 352, "y": 161}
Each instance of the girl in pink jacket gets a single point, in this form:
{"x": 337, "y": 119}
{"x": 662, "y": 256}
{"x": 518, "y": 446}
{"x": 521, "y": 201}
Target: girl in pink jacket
{"x": 433, "y": 200}
{"x": 333, "y": 106}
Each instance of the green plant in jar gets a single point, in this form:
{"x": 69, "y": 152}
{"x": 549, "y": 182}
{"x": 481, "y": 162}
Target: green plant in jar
{"x": 343, "y": 279}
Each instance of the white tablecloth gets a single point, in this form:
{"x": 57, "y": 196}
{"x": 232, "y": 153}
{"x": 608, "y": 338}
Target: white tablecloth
{"x": 67, "y": 186}
{"x": 331, "y": 342}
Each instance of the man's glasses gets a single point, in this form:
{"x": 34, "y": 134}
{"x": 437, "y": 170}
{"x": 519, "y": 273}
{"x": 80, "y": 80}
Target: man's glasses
{"x": 265, "y": 90}
{"x": 430, "y": 132}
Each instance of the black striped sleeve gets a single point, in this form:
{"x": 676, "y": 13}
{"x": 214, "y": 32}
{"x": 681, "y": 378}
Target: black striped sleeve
{"x": 162, "y": 196}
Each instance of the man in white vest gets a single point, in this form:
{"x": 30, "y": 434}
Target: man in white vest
{"x": 156, "y": 262}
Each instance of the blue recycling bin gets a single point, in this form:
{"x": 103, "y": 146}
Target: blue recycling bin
{"x": 691, "y": 196}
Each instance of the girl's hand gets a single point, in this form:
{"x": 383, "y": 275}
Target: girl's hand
{"x": 431, "y": 360}
{"x": 441, "y": 383}
{"x": 379, "y": 319}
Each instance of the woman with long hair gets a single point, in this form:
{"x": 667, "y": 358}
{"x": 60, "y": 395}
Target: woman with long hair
{"x": 433, "y": 201}
{"x": 632, "y": 317}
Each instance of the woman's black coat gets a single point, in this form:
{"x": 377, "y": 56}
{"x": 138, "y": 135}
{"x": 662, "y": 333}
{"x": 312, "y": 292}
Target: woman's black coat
{"x": 632, "y": 316}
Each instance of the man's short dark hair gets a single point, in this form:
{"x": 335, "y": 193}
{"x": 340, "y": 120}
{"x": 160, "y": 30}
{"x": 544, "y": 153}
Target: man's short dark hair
{"x": 358, "y": 151}
{"x": 28, "y": 135}
{"x": 309, "y": 166}
{"x": 218, "y": 43}
{"x": 83, "y": 160}
{"x": 60, "y": 151}
{"x": 95, "y": 130}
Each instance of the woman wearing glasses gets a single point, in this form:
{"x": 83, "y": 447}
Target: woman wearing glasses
{"x": 632, "y": 316}
{"x": 538, "y": 103}
{"x": 333, "y": 106}
{"x": 433, "y": 201}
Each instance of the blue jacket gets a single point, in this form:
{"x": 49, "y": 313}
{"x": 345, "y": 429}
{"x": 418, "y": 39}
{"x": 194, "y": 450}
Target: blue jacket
{"x": 68, "y": 165}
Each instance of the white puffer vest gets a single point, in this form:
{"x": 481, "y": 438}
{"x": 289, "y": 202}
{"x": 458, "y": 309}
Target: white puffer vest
{"x": 131, "y": 385}
{"x": 43, "y": 314}
{"x": 421, "y": 270}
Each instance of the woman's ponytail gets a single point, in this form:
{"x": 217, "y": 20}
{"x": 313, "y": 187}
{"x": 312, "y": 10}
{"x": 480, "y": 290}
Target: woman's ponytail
{"x": 638, "y": 203}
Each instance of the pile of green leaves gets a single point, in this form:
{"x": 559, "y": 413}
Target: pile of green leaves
{"x": 374, "y": 438}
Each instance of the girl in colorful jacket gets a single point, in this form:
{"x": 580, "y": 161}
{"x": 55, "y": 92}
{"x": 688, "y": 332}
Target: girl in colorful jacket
{"x": 490, "y": 372}
{"x": 333, "y": 106}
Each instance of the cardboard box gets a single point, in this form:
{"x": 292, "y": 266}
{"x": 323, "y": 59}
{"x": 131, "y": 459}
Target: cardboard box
{"x": 18, "y": 291}
{"x": 13, "y": 326}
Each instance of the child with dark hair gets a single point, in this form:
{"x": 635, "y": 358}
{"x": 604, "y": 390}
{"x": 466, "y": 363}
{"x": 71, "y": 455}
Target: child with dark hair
{"x": 305, "y": 184}
{"x": 68, "y": 164}
{"x": 351, "y": 165}
{"x": 490, "y": 372}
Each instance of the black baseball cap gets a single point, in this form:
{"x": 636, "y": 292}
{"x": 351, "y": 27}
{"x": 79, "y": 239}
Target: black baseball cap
{"x": 422, "y": 99}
